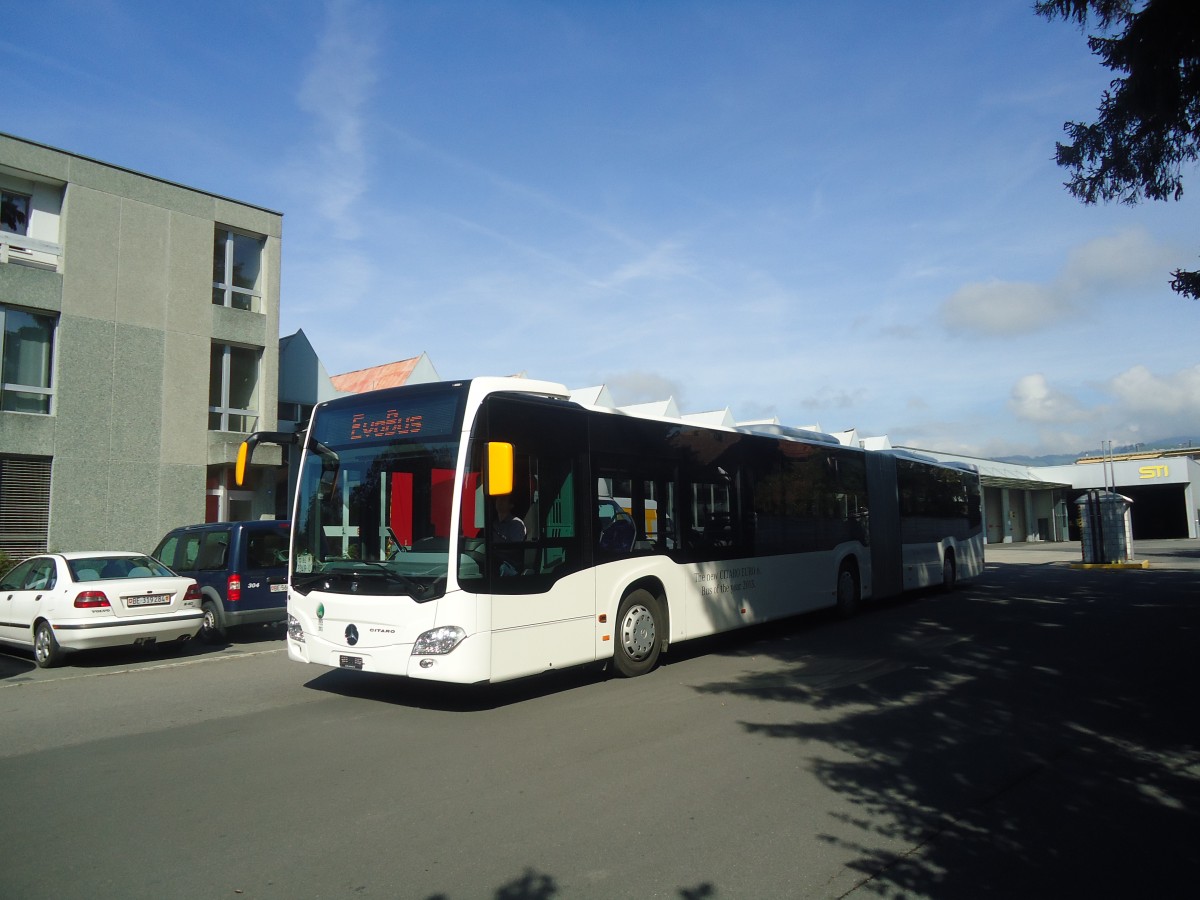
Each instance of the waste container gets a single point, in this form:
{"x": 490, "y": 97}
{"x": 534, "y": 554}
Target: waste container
{"x": 1106, "y": 527}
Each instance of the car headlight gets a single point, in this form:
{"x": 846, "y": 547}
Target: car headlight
{"x": 438, "y": 641}
{"x": 295, "y": 632}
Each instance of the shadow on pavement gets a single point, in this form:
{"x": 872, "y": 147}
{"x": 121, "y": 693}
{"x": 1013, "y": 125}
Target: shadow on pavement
{"x": 1032, "y": 735}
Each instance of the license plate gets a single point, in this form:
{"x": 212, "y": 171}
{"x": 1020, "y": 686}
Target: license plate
{"x": 277, "y": 588}
{"x": 350, "y": 662}
{"x": 148, "y": 600}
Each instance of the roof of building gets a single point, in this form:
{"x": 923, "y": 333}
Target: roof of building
{"x": 393, "y": 374}
{"x": 115, "y": 167}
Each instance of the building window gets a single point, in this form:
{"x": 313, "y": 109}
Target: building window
{"x": 237, "y": 270}
{"x": 26, "y": 361}
{"x": 233, "y": 388}
{"x": 14, "y": 212}
{"x": 296, "y": 413}
{"x": 24, "y": 505}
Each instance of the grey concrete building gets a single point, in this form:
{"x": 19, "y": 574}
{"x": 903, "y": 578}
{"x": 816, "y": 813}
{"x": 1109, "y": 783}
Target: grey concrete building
{"x": 139, "y": 324}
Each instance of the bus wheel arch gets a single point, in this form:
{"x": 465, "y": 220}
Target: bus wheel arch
{"x": 849, "y": 587}
{"x": 640, "y": 629}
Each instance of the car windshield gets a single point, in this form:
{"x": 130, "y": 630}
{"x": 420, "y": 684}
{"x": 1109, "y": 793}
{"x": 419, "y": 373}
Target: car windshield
{"x": 376, "y": 494}
{"x": 108, "y": 568}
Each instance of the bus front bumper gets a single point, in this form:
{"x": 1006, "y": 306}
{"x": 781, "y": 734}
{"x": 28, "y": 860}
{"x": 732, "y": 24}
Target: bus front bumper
{"x": 466, "y": 663}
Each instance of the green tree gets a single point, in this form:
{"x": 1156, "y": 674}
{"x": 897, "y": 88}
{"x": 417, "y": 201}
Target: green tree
{"x": 1149, "y": 118}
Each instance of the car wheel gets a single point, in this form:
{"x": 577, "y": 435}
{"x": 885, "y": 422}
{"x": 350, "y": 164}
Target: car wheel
{"x": 639, "y": 634}
{"x": 211, "y": 630}
{"x": 847, "y": 590}
{"x": 46, "y": 652}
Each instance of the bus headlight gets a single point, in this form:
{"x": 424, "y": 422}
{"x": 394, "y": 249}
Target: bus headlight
{"x": 295, "y": 632}
{"x": 438, "y": 641}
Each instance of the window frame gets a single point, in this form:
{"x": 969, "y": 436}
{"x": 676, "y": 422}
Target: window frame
{"x": 28, "y": 212}
{"x": 47, "y": 390}
{"x": 223, "y": 408}
{"x": 224, "y": 290}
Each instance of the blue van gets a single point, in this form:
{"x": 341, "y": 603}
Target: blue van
{"x": 241, "y": 568}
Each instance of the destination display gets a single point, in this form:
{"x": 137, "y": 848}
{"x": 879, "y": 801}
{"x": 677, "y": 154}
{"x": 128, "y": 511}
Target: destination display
{"x": 430, "y": 417}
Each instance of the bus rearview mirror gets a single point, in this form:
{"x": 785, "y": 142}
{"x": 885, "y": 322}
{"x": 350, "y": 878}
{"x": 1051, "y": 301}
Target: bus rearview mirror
{"x": 239, "y": 472}
{"x": 500, "y": 468}
{"x": 246, "y": 450}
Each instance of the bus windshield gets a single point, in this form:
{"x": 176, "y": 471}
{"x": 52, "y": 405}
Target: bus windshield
{"x": 375, "y": 496}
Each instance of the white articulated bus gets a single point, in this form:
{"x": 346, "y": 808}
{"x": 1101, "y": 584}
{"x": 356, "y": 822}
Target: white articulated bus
{"x": 634, "y": 533}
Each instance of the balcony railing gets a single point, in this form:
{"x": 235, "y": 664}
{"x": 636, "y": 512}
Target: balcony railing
{"x": 17, "y": 248}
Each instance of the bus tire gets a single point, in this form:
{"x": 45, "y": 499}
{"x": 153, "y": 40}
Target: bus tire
{"x": 847, "y": 590}
{"x": 639, "y": 633}
{"x": 949, "y": 572}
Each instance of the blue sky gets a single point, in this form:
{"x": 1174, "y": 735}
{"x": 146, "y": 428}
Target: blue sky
{"x": 844, "y": 214}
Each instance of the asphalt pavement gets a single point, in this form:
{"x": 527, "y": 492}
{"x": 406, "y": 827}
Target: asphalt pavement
{"x": 1032, "y": 734}
{"x": 1107, "y": 803}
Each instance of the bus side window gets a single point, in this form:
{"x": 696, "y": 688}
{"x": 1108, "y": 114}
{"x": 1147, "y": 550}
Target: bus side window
{"x": 712, "y": 514}
{"x": 616, "y": 531}
{"x": 624, "y": 488}
{"x": 714, "y": 519}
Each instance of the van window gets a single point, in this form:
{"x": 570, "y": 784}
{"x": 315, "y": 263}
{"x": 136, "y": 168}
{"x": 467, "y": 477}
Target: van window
{"x": 266, "y": 549}
{"x": 165, "y": 553}
{"x": 187, "y": 553}
{"x": 214, "y": 551}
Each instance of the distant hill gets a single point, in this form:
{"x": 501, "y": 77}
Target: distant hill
{"x": 1058, "y": 459}
{"x": 1066, "y": 459}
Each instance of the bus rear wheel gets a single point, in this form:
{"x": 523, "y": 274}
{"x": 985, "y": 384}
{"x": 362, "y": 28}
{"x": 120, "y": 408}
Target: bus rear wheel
{"x": 639, "y": 634}
{"x": 949, "y": 572}
{"x": 847, "y": 591}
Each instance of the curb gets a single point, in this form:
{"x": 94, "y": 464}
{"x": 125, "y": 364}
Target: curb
{"x": 1138, "y": 564}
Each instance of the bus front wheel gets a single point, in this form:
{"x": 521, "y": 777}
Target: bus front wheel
{"x": 639, "y": 633}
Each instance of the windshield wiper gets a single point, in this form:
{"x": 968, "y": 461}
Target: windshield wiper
{"x": 360, "y": 569}
{"x": 303, "y": 581}
{"x": 322, "y": 450}
{"x": 379, "y": 568}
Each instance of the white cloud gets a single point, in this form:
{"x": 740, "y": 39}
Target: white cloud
{"x": 1005, "y": 308}
{"x": 498, "y": 185}
{"x": 1124, "y": 260}
{"x": 1103, "y": 266}
{"x": 832, "y": 399}
{"x": 1034, "y": 400}
{"x": 662, "y": 263}
{"x": 335, "y": 92}
{"x": 1168, "y": 398}
{"x": 1134, "y": 405}
{"x": 630, "y": 388}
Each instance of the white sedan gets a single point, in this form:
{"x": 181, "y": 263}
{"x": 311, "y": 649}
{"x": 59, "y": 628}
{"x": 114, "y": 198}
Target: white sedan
{"x": 77, "y": 601}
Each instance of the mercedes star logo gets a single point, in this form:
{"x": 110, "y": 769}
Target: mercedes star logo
{"x": 351, "y": 635}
